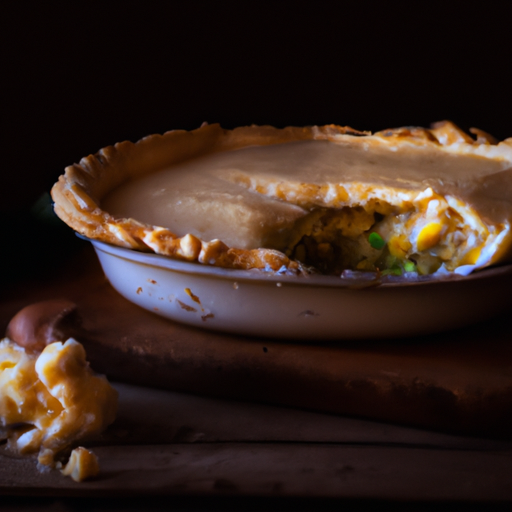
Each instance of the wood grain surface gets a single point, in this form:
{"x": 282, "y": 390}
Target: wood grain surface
{"x": 176, "y": 444}
{"x": 207, "y": 414}
{"x": 458, "y": 382}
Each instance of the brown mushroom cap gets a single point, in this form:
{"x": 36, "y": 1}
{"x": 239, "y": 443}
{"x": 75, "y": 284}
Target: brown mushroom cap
{"x": 39, "y": 324}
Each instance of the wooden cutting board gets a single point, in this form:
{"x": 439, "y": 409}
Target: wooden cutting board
{"x": 169, "y": 443}
{"x": 458, "y": 382}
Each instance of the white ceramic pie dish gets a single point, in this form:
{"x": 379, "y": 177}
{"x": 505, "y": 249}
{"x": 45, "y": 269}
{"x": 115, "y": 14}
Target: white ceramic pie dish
{"x": 256, "y": 303}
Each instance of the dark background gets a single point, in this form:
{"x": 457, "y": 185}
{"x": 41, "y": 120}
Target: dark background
{"x": 79, "y": 78}
{"x": 76, "y": 79}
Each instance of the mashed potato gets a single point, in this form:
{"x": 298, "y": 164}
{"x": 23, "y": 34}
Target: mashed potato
{"x": 50, "y": 401}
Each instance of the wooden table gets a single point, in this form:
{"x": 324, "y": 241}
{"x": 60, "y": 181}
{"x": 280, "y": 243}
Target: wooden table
{"x": 189, "y": 447}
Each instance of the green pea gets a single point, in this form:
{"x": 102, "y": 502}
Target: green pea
{"x": 376, "y": 241}
{"x": 409, "y": 266}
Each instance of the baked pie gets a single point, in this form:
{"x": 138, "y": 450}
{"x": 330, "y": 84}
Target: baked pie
{"x": 298, "y": 200}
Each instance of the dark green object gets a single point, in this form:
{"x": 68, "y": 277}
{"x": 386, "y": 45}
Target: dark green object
{"x": 395, "y": 271}
{"x": 52, "y": 243}
{"x": 376, "y": 241}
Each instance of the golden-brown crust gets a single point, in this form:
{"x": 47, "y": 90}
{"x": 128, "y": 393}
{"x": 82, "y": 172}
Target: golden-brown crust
{"x": 78, "y": 193}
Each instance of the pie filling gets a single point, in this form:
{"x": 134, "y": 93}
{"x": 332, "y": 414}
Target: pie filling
{"x": 422, "y": 237}
{"x": 423, "y": 232}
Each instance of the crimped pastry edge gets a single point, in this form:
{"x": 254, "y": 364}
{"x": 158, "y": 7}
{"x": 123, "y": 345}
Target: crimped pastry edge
{"x": 78, "y": 192}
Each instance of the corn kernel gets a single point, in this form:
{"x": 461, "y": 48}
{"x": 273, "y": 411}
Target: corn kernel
{"x": 398, "y": 246}
{"x": 429, "y": 236}
{"x": 471, "y": 257}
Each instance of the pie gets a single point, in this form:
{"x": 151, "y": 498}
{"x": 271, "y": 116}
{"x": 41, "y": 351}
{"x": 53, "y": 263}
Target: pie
{"x": 300, "y": 200}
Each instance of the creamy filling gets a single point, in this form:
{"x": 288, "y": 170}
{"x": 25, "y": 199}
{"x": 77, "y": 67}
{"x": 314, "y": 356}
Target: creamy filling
{"x": 423, "y": 238}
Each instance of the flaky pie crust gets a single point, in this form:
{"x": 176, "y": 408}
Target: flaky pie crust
{"x": 78, "y": 193}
